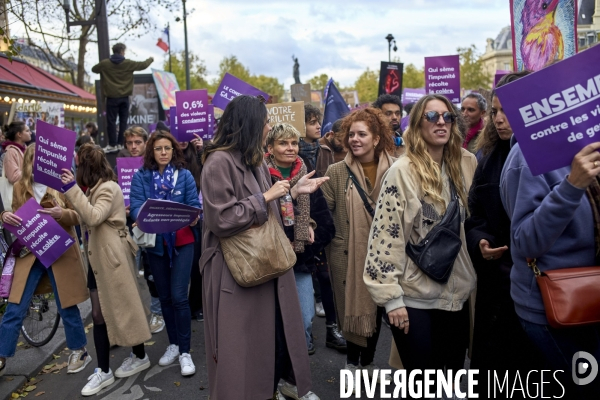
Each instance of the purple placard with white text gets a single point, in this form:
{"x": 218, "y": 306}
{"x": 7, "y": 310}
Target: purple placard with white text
{"x": 554, "y": 112}
{"x": 126, "y": 168}
{"x": 442, "y": 76}
{"x": 499, "y": 74}
{"x": 192, "y": 110}
{"x": 40, "y": 233}
{"x": 162, "y": 216}
{"x": 232, "y": 87}
{"x": 54, "y": 147}
{"x": 173, "y": 122}
{"x": 412, "y": 95}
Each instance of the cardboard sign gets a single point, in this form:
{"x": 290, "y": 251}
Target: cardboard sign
{"x": 390, "y": 78}
{"x": 232, "y": 87}
{"x": 162, "y": 216}
{"x": 554, "y": 112}
{"x": 40, "y": 233}
{"x": 442, "y": 76}
{"x": 192, "y": 114}
{"x": 301, "y": 92}
{"x": 126, "y": 168}
{"x": 289, "y": 113}
{"x": 54, "y": 147}
{"x": 412, "y": 95}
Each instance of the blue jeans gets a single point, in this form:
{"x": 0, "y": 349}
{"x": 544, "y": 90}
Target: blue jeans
{"x": 304, "y": 285}
{"x": 15, "y": 314}
{"x": 558, "y": 346}
{"x": 155, "y": 307}
{"x": 172, "y": 278}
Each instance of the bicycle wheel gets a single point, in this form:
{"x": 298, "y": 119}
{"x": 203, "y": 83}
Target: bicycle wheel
{"x": 42, "y": 319}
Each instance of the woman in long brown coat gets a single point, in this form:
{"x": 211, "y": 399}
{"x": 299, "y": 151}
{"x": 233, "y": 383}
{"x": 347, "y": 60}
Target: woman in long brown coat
{"x": 253, "y": 335}
{"x": 65, "y": 277}
{"x": 117, "y": 311}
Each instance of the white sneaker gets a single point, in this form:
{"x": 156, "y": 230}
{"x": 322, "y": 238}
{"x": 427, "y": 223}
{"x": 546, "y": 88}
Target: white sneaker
{"x": 170, "y": 355}
{"x": 78, "y": 360}
{"x": 319, "y": 310}
{"x": 352, "y": 368}
{"x": 370, "y": 368}
{"x": 157, "y": 323}
{"x": 97, "y": 381}
{"x": 110, "y": 149}
{"x": 132, "y": 365}
{"x": 187, "y": 365}
{"x": 290, "y": 390}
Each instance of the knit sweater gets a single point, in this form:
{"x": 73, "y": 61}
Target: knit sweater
{"x": 117, "y": 79}
{"x": 404, "y": 214}
{"x": 551, "y": 220}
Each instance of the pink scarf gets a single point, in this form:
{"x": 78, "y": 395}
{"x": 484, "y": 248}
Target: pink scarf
{"x": 472, "y": 133}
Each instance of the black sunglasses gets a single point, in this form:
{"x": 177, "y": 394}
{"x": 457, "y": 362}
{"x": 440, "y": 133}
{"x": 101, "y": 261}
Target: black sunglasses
{"x": 434, "y": 117}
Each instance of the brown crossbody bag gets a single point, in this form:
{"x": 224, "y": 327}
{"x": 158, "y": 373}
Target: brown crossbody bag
{"x": 571, "y": 296}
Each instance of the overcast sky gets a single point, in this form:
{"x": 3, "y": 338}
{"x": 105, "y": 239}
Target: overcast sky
{"x": 339, "y": 38}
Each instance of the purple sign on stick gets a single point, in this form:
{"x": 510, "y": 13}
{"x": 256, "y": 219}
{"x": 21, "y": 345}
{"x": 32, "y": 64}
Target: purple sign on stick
{"x": 442, "y": 76}
{"x": 126, "y": 167}
{"x": 162, "y": 216}
{"x": 232, "y": 87}
{"x": 412, "y": 95}
{"x": 40, "y": 233}
{"x": 554, "y": 112}
{"x": 499, "y": 74}
{"x": 192, "y": 110}
{"x": 54, "y": 147}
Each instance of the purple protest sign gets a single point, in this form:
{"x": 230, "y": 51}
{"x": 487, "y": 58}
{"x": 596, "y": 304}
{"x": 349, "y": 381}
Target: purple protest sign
{"x": 442, "y": 76}
{"x": 554, "y": 112}
{"x": 173, "y": 122}
{"x": 40, "y": 233}
{"x": 162, "y": 216}
{"x": 232, "y": 87}
{"x": 499, "y": 74}
{"x": 126, "y": 167}
{"x": 412, "y": 95}
{"x": 54, "y": 147}
{"x": 192, "y": 110}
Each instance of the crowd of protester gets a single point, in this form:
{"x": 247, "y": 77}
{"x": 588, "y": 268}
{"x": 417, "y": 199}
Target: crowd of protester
{"x": 364, "y": 195}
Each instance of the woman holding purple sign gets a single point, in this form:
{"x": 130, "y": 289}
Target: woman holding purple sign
{"x": 117, "y": 311}
{"x": 65, "y": 277}
{"x": 164, "y": 177}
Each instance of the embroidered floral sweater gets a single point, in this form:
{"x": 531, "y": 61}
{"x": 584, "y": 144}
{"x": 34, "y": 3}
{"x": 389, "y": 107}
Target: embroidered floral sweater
{"x": 404, "y": 214}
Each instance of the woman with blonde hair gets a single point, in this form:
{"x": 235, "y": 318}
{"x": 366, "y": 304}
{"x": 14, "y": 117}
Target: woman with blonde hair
{"x": 414, "y": 197}
{"x": 351, "y": 194}
{"x": 66, "y": 276}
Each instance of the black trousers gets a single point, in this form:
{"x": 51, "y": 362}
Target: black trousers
{"x": 118, "y": 106}
{"x": 365, "y": 355}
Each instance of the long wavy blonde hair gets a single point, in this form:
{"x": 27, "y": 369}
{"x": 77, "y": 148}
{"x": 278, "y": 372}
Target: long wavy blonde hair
{"x": 25, "y": 184}
{"x": 427, "y": 170}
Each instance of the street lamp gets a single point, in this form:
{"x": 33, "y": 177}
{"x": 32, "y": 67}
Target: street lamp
{"x": 187, "y": 59}
{"x": 391, "y": 39}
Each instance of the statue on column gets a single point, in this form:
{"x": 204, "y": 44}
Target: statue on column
{"x": 296, "y": 70}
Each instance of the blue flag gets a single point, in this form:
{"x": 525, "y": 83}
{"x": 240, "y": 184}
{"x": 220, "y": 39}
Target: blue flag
{"x": 335, "y": 107}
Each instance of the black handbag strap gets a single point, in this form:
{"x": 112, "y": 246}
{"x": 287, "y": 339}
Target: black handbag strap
{"x": 361, "y": 192}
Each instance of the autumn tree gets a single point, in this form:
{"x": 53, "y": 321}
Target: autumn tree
{"x": 45, "y": 28}
{"x": 473, "y": 75}
{"x": 413, "y": 77}
{"x": 197, "y": 70}
{"x": 318, "y": 82}
{"x": 367, "y": 86}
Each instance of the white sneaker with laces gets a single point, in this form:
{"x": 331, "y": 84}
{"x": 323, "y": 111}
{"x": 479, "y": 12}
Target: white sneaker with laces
{"x": 319, "y": 310}
{"x": 97, "y": 381}
{"x": 132, "y": 365}
{"x": 157, "y": 323}
{"x": 170, "y": 355}
{"x": 290, "y": 390}
{"x": 187, "y": 365}
{"x": 78, "y": 360}
{"x": 352, "y": 368}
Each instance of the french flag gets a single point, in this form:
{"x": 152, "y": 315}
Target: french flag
{"x": 163, "y": 41}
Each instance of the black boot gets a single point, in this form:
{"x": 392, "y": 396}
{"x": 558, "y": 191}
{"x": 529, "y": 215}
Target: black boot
{"x": 335, "y": 339}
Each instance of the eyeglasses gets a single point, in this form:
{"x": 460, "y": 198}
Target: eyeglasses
{"x": 136, "y": 142}
{"x": 166, "y": 149}
{"x": 434, "y": 117}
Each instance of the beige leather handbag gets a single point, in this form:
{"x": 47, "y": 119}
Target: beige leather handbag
{"x": 258, "y": 254}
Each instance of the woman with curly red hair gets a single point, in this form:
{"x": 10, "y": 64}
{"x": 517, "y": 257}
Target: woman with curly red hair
{"x": 351, "y": 194}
